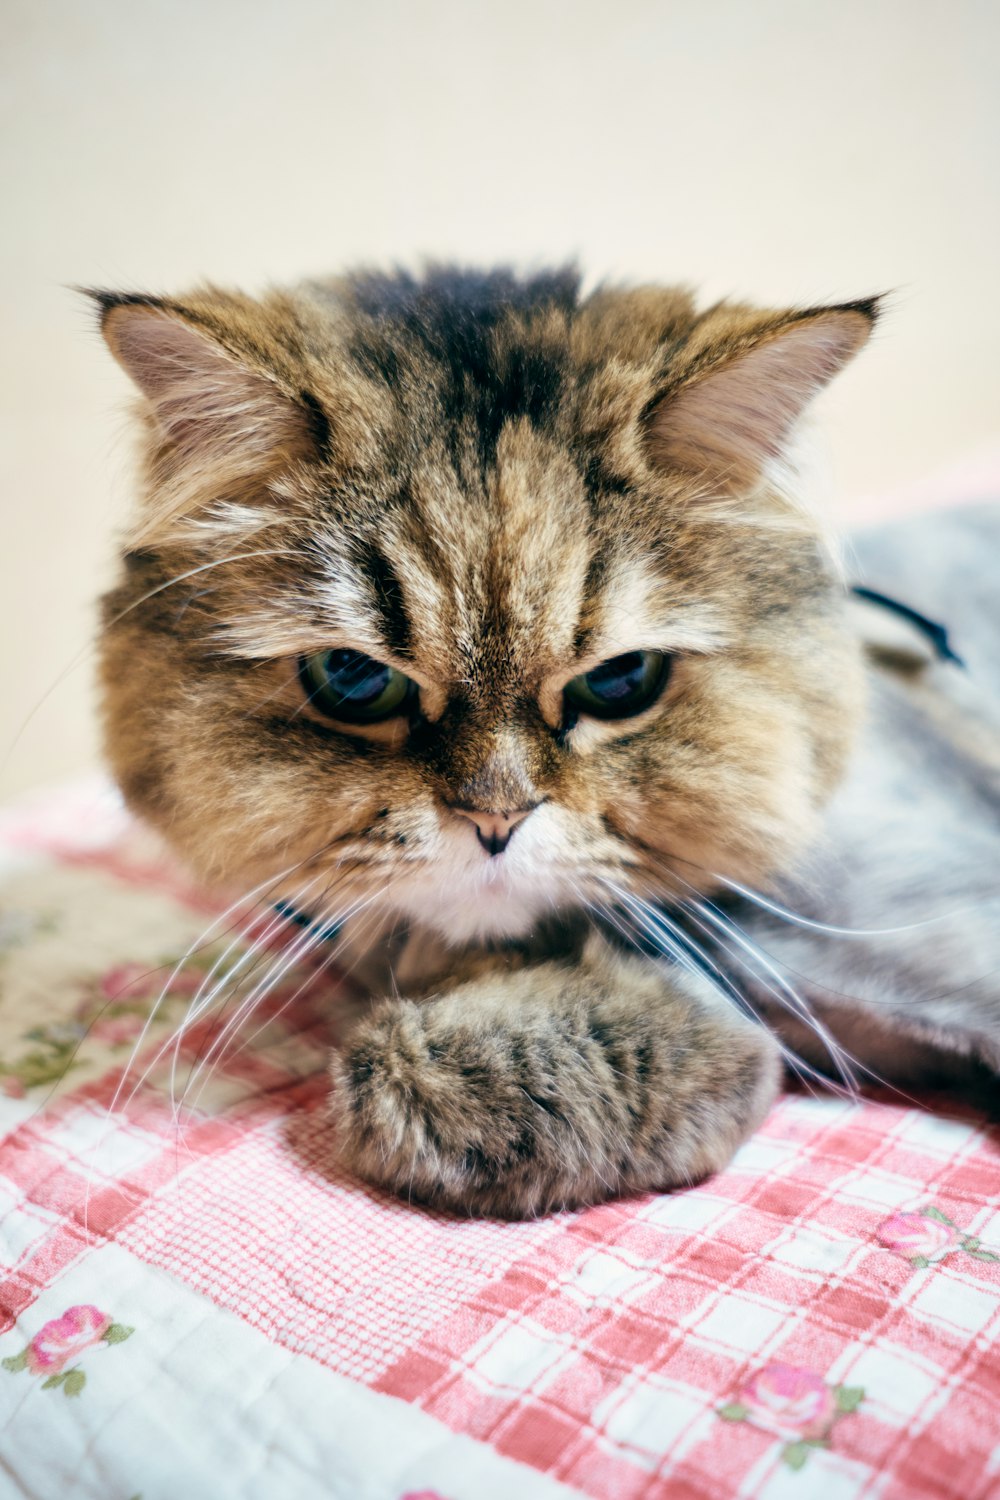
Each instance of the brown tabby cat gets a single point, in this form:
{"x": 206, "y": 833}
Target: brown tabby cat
{"x": 492, "y": 611}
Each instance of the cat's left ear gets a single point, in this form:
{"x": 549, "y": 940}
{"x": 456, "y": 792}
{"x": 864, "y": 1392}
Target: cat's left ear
{"x": 225, "y": 413}
{"x": 745, "y": 381}
{"x": 204, "y": 390}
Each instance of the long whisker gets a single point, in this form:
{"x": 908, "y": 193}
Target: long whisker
{"x": 201, "y": 1000}
{"x": 656, "y": 927}
{"x": 826, "y": 927}
{"x": 115, "y": 1102}
{"x": 198, "y": 1003}
{"x": 336, "y": 947}
{"x": 655, "y": 922}
{"x": 661, "y": 932}
{"x": 799, "y": 1065}
{"x": 849, "y": 1057}
{"x": 304, "y": 944}
{"x": 248, "y": 962}
{"x": 786, "y": 995}
{"x": 779, "y": 988}
{"x": 665, "y": 862}
{"x": 91, "y": 646}
{"x": 249, "y": 896}
{"x": 261, "y": 953}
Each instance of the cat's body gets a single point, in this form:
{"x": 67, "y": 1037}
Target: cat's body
{"x": 474, "y": 608}
{"x": 909, "y": 860}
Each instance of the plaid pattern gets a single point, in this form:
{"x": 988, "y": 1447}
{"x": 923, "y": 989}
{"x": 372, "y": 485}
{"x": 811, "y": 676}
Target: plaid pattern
{"x": 638, "y": 1349}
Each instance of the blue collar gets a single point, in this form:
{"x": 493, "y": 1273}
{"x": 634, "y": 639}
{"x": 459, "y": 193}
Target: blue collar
{"x": 325, "y": 933}
{"x": 935, "y": 633}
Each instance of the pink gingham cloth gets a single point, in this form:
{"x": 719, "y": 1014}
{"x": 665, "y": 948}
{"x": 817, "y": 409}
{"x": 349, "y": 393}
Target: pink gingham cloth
{"x": 201, "y": 1305}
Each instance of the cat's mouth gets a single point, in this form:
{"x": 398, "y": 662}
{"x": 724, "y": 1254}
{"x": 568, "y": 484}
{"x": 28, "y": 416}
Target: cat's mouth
{"x": 469, "y": 890}
{"x": 492, "y": 876}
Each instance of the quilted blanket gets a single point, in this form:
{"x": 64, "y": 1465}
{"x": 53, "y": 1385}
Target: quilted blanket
{"x": 195, "y": 1303}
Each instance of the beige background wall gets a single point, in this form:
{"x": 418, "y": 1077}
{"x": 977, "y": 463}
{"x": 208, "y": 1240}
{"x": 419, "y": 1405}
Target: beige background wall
{"x": 782, "y": 149}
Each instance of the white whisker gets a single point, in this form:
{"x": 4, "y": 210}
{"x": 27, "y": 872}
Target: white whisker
{"x": 309, "y": 939}
{"x": 800, "y": 921}
{"x": 260, "y": 953}
{"x": 720, "y": 980}
{"x": 207, "y": 993}
{"x": 798, "y": 1064}
{"x": 199, "y": 942}
{"x": 330, "y": 958}
{"x": 780, "y": 989}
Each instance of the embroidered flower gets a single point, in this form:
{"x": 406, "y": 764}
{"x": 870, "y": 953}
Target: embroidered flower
{"x": 61, "y": 1341}
{"x": 788, "y": 1401}
{"x": 12, "y": 1086}
{"x": 915, "y": 1235}
{"x": 794, "y": 1404}
{"x": 926, "y": 1237}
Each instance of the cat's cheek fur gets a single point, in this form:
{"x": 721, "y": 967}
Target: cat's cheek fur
{"x": 551, "y": 1087}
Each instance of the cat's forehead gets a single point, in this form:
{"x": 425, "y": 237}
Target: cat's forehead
{"x": 476, "y": 544}
{"x": 442, "y": 566}
{"x": 507, "y": 555}
{"x": 504, "y": 577}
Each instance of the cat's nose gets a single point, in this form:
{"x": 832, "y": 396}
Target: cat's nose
{"x": 493, "y": 829}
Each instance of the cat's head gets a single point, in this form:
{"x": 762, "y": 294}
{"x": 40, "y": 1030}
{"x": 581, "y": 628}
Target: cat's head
{"x": 473, "y": 597}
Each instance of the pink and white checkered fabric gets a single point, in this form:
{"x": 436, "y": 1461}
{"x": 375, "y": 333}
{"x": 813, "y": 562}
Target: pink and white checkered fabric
{"x": 822, "y": 1319}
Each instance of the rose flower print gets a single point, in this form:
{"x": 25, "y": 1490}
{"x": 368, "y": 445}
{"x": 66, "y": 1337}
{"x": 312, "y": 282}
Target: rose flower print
{"x": 61, "y": 1341}
{"x": 793, "y": 1404}
{"x": 926, "y": 1237}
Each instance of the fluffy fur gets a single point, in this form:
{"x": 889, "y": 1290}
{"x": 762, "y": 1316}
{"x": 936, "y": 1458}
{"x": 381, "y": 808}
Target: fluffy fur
{"x": 493, "y": 485}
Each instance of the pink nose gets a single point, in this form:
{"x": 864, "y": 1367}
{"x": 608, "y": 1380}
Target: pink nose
{"x": 493, "y": 829}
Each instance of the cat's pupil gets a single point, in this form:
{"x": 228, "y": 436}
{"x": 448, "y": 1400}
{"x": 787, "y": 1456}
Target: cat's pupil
{"x": 355, "y": 677}
{"x": 619, "y": 678}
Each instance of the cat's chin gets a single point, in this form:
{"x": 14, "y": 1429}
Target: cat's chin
{"x": 493, "y": 906}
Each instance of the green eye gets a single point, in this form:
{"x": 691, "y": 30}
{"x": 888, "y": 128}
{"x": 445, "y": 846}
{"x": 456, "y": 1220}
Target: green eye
{"x": 621, "y": 687}
{"x": 349, "y": 686}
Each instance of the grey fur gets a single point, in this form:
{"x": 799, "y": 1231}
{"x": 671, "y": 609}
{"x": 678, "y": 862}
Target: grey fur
{"x": 912, "y": 837}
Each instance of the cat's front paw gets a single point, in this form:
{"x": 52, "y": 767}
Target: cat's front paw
{"x": 429, "y": 1111}
{"x": 550, "y": 1088}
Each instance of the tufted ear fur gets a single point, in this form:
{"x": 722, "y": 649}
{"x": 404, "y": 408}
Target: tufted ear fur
{"x": 219, "y": 420}
{"x": 748, "y": 381}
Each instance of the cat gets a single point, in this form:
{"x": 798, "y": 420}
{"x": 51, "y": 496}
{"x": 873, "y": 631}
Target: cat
{"x": 487, "y": 618}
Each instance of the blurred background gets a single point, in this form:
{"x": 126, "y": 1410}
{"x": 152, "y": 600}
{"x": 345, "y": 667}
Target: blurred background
{"x": 781, "y": 150}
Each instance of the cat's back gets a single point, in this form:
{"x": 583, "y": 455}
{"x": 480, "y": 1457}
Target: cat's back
{"x": 909, "y": 864}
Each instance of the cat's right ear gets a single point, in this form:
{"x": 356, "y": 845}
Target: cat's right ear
{"x": 744, "y": 382}
{"x": 221, "y": 418}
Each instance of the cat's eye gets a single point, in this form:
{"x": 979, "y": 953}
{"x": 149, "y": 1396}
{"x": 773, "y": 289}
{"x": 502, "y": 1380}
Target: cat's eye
{"x": 621, "y": 687}
{"x": 354, "y": 688}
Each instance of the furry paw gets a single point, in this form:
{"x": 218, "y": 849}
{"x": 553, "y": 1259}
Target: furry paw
{"x": 550, "y": 1088}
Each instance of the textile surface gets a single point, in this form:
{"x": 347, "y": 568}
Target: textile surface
{"x": 194, "y": 1302}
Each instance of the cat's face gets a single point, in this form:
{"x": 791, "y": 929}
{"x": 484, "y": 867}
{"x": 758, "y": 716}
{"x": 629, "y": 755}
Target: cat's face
{"x": 472, "y": 601}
